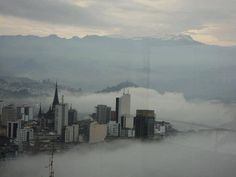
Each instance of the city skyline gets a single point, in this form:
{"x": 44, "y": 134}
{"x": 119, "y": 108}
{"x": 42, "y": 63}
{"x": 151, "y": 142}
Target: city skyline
{"x": 110, "y": 88}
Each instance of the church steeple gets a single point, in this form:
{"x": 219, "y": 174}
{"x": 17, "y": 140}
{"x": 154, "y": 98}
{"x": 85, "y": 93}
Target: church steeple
{"x": 55, "y": 99}
{"x": 40, "y": 114}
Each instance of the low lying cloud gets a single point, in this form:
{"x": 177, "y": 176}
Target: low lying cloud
{"x": 168, "y": 106}
{"x": 195, "y": 154}
{"x": 200, "y": 153}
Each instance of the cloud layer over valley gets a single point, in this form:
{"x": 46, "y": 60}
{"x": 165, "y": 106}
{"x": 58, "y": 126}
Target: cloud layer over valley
{"x": 197, "y": 154}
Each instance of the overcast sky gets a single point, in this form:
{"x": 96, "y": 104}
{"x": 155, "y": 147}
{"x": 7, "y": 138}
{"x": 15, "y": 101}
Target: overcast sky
{"x": 208, "y": 21}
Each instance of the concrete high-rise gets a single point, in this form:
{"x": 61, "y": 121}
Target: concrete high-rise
{"x": 124, "y": 106}
{"x": 124, "y": 119}
{"x": 61, "y": 117}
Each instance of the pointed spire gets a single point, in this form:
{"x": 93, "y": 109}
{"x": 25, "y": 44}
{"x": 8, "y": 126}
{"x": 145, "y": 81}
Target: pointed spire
{"x": 55, "y": 99}
{"x": 40, "y": 114}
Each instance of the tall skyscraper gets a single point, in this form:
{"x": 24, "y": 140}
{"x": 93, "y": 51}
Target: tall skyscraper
{"x": 144, "y": 123}
{"x": 124, "y": 118}
{"x": 61, "y": 117}
{"x": 124, "y": 106}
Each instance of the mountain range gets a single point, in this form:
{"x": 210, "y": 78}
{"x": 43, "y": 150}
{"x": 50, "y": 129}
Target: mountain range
{"x": 173, "y": 64}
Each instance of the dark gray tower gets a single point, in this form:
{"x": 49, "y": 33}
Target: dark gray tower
{"x": 55, "y": 99}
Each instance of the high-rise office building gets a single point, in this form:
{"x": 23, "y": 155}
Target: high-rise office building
{"x": 144, "y": 123}
{"x": 124, "y": 106}
{"x": 103, "y": 114}
{"x": 61, "y": 117}
{"x": 124, "y": 118}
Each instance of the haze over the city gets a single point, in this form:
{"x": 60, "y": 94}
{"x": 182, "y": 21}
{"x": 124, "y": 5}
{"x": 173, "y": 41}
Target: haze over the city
{"x": 172, "y": 59}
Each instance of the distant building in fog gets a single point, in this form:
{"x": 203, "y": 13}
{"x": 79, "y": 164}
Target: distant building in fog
{"x": 24, "y": 112}
{"x": 113, "y": 129}
{"x": 8, "y": 114}
{"x": 97, "y": 132}
{"x": 113, "y": 115}
{"x": 61, "y": 117}
{"x": 72, "y": 116}
{"x": 144, "y": 123}
{"x": 127, "y": 126}
{"x": 163, "y": 128}
{"x": 123, "y": 107}
{"x": 103, "y": 114}
{"x": 72, "y": 133}
{"x": 123, "y": 116}
{"x": 25, "y": 134}
{"x": 84, "y": 126}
